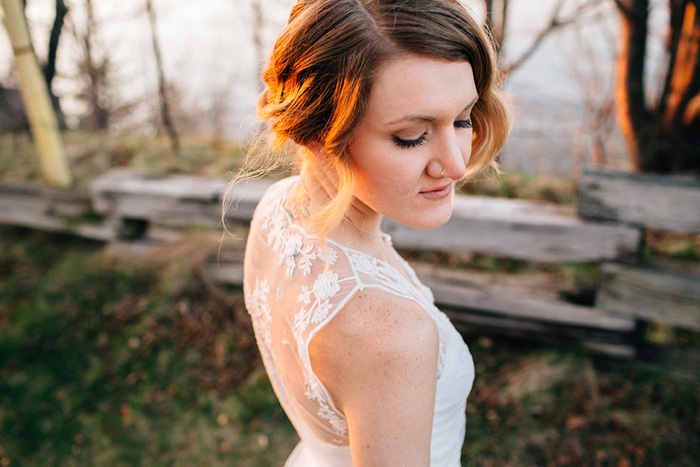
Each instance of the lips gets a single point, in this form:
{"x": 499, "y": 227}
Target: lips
{"x": 437, "y": 193}
{"x": 438, "y": 189}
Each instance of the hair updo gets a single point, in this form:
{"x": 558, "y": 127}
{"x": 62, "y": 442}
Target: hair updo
{"x": 323, "y": 65}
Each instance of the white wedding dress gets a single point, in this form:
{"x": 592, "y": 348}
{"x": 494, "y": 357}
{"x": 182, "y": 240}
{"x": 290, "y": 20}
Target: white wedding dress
{"x": 293, "y": 287}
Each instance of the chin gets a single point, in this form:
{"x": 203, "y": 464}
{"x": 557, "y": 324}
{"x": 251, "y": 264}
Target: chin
{"x": 431, "y": 224}
{"x": 429, "y": 220}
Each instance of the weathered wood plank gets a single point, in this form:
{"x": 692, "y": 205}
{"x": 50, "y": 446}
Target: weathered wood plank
{"x": 656, "y": 292}
{"x": 522, "y": 230}
{"x": 667, "y": 358}
{"x": 179, "y": 199}
{"x": 227, "y": 268}
{"x": 664, "y": 359}
{"x": 511, "y": 228}
{"x": 655, "y": 201}
{"x": 614, "y": 344}
{"x": 465, "y": 293}
{"x": 51, "y": 209}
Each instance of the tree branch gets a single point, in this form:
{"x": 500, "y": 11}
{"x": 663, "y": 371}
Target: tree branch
{"x": 554, "y": 24}
{"x": 676, "y": 10}
{"x": 685, "y": 80}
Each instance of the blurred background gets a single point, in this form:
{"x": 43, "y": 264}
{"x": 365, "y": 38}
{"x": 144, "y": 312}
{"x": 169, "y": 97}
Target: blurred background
{"x": 123, "y": 334}
{"x": 560, "y": 57}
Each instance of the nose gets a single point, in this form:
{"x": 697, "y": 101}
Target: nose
{"x": 451, "y": 156}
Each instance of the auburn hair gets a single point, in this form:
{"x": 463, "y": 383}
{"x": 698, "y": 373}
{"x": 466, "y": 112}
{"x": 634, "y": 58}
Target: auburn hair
{"x": 323, "y": 65}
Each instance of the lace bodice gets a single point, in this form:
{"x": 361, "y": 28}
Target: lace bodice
{"x": 294, "y": 286}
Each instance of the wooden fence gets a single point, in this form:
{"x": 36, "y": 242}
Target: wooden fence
{"x": 606, "y": 227}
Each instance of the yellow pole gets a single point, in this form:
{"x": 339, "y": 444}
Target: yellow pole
{"x": 35, "y": 94}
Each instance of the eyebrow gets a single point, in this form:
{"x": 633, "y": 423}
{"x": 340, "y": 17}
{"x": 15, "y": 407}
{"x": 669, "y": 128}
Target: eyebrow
{"x": 429, "y": 118}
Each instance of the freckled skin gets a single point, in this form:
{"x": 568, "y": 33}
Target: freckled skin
{"x": 378, "y": 359}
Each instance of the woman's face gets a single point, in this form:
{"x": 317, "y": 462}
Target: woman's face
{"x": 417, "y": 127}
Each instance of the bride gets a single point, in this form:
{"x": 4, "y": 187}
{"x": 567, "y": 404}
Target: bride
{"x": 390, "y": 102}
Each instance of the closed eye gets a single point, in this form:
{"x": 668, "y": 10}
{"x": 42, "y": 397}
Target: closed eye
{"x": 464, "y": 123}
{"x": 409, "y": 143}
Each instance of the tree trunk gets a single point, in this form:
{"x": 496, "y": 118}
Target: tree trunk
{"x": 258, "y": 27}
{"x": 42, "y": 119}
{"x": 98, "y": 116}
{"x": 50, "y": 66}
{"x": 630, "y": 102}
{"x": 664, "y": 137}
{"x": 164, "y": 105}
{"x": 683, "y": 84}
{"x": 496, "y": 19}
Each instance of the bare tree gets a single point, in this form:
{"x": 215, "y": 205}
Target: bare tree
{"x": 496, "y": 16}
{"x": 50, "y": 67}
{"x": 662, "y": 136}
{"x": 496, "y": 19}
{"x": 95, "y": 73}
{"x": 595, "y": 77}
{"x": 258, "y": 28}
{"x": 164, "y": 104}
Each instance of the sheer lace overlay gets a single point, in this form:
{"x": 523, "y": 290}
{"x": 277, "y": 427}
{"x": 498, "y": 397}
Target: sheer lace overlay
{"x": 293, "y": 287}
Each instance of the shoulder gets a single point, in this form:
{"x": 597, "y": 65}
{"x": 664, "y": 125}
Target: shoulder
{"x": 378, "y": 319}
{"x": 378, "y": 361}
{"x": 375, "y": 335}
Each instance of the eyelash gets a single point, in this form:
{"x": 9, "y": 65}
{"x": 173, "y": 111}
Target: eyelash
{"x": 412, "y": 143}
{"x": 464, "y": 123}
{"x": 409, "y": 143}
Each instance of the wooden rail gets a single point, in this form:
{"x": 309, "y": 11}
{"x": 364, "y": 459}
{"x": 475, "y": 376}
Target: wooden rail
{"x": 53, "y": 210}
{"x": 660, "y": 202}
{"x": 656, "y": 292}
{"x": 509, "y": 228}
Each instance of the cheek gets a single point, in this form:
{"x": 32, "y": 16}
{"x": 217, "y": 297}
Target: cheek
{"x": 384, "y": 171}
{"x": 391, "y": 174}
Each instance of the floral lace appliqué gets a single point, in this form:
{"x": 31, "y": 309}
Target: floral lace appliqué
{"x": 259, "y": 308}
{"x": 289, "y": 244}
{"x": 315, "y": 393}
{"x": 364, "y": 264}
{"x": 325, "y": 287}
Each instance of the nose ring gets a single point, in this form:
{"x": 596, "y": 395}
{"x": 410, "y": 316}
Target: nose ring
{"x": 442, "y": 173}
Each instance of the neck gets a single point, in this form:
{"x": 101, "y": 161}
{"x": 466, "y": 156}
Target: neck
{"x": 360, "y": 220}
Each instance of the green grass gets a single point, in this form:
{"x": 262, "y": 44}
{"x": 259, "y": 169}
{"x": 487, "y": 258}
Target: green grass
{"x": 538, "y": 405}
{"x": 107, "y": 361}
